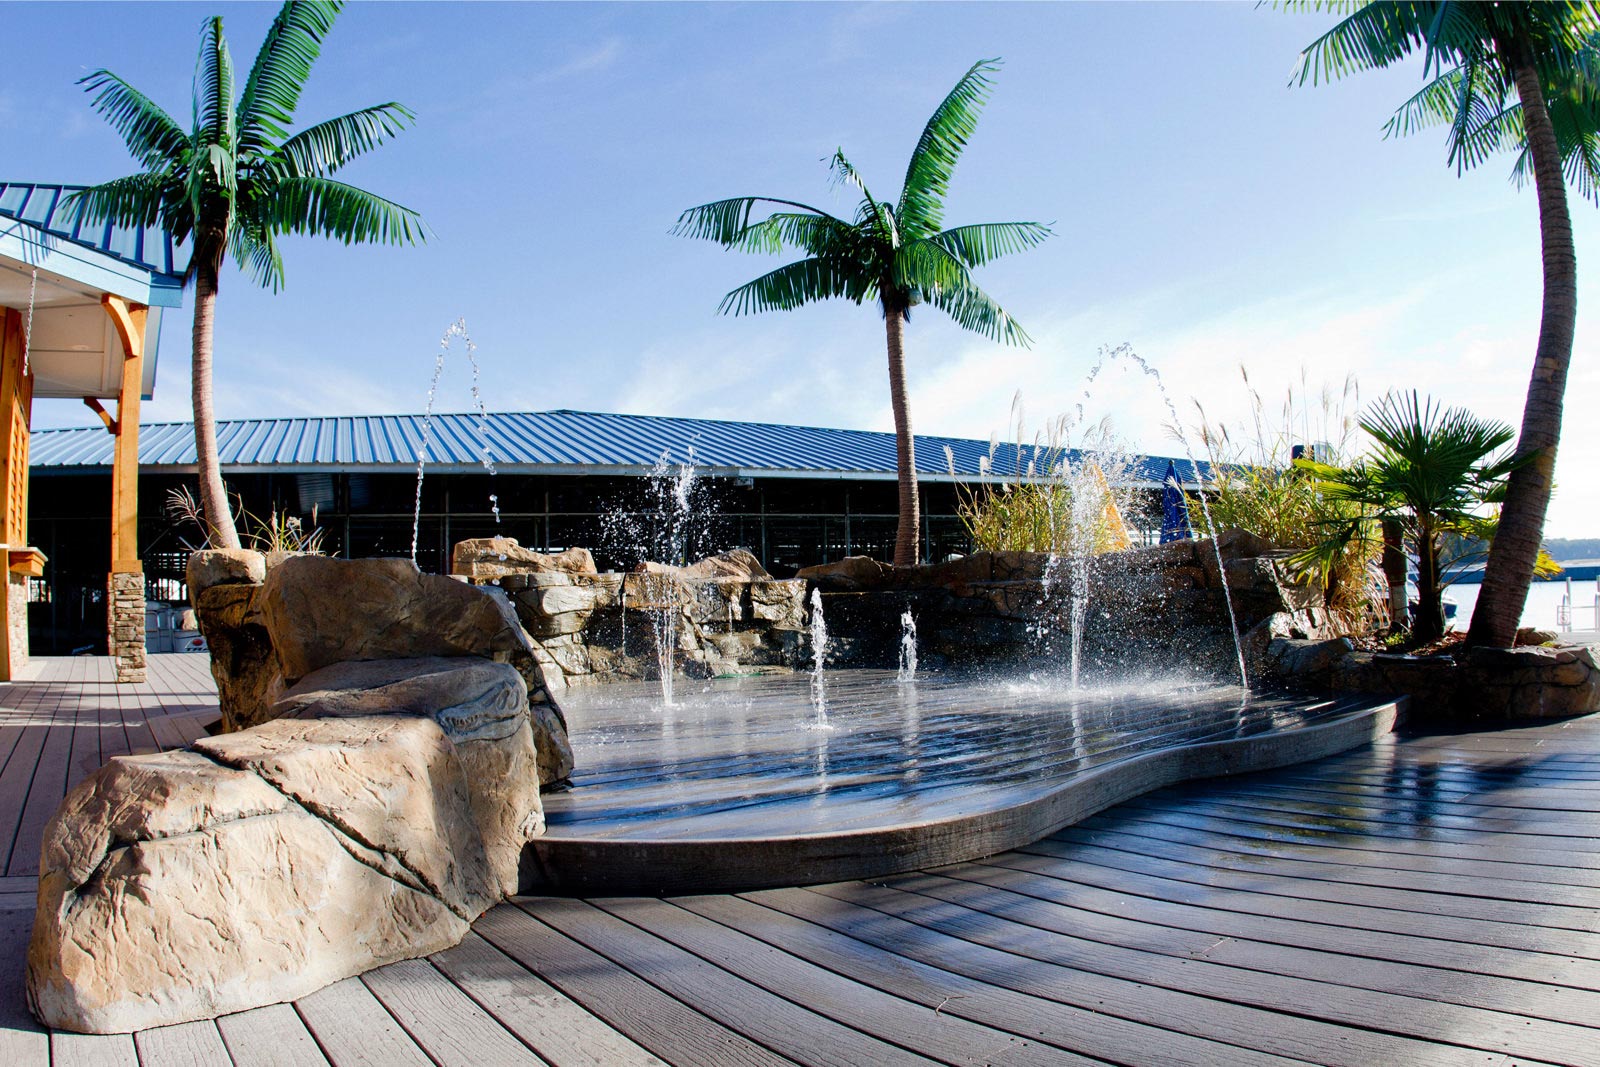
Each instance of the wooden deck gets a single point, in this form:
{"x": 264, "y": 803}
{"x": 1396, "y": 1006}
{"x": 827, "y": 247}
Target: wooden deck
{"x": 1425, "y": 901}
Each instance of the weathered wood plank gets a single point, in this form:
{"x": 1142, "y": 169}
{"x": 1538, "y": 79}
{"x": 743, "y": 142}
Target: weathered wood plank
{"x": 57, "y": 713}
{"x": 1297, "y": 878}
{"x": 1267, "y": 1032}
{"x": 445, "y": 1022}
{"x": 793, "y": 1031}
{"x": 1448, "y": 970}
{"x": 1341, "y": 1004}
{"x": 354, "y": 1030}
{"x": 1086, "y": 1031}
{"x": 658, "y": 1022}
{"x": 904, "y": 1022}
{"x": 1340, "y": 858}
{"x": 22, "y": 1040}
{"x": 554, "y": 1025}
{"x": 183, "y": 1045}
{"x": 273, "y": 1036}
{"x": 92, "y": 1050}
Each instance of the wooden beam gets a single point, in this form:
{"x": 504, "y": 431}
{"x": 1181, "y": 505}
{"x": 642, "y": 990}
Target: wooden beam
{"x": 16, "y": 397}
{"x": 105, "y": 416}
{"x": 129, "y": 320}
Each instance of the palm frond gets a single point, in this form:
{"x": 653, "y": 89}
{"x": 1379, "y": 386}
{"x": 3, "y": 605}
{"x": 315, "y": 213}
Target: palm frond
{"x": 215, "y": 121}
{"x": 816, "y": 234}
{"x": 933, "y": 161}
{"x": 928, "y": 268}
{"x": 272, "y": 90}
{"x": 254, "y": 248}
{"x": 152, "y": 136}
{"x": 725, "y": 221}
{"x": 872, "y": 215}
{"x": 977, "y": 244}
{"x": 975, "y": 310}
{"x": 1372, "y": 35}
{"x": 308, "y": 204}
{"x": 134, "y": 201}
{"x": 795, "y": 284}
{"x": 327, "y": 146}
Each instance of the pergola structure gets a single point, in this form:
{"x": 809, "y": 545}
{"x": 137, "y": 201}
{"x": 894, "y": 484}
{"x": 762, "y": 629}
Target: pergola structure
{"x": 81, "y": 307}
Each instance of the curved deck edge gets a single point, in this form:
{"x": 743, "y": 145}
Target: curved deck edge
{"x": 608, "y": 867}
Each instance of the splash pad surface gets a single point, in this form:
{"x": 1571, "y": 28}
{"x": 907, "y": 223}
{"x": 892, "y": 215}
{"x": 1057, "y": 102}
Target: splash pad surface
{"x": 742, "y": 784}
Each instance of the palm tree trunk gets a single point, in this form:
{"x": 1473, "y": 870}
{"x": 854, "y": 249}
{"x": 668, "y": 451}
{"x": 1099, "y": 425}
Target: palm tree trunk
{"x": 1429, "y": 623}
{"x": 1394, "y": 572}
{"x": 1509, "y": 569}
{"x": 213, "y": 497}
{"x": 908, "y": 533}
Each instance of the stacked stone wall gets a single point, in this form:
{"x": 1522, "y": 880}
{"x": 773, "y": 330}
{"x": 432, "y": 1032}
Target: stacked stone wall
{"x": 125, "y": 624}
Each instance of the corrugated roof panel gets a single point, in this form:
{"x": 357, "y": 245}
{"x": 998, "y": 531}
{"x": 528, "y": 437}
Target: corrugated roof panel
{"x": 532, "y": 440}
{"x": 45, "y": 206}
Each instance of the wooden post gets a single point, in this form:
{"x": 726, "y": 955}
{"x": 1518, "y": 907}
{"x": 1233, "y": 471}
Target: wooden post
{"x": 125, "y": 609}
{"x": 16, "y": 409}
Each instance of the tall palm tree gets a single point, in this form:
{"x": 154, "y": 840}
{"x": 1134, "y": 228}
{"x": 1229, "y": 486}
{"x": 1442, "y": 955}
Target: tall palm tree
{"x": 1504, "y": 76}
{"x": 237, "y": 180}
{"x": 898, "y": 254}
{"x": 1432, "y": 473}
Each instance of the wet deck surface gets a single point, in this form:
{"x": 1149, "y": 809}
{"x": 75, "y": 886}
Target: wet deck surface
{"x": 1427, "y": 900}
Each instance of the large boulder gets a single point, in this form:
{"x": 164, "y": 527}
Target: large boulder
{"x": 483, "y": 559}
{"x": 482, "y": 707}
{"x": 259, "y": 867}
{"x": 224, "y": 591}
{"x": 320, "y": 611}
{"x": 737, "y": 563}
{"x": 1532, "y": 682}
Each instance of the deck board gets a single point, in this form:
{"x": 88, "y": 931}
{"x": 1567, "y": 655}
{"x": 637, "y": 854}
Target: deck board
{"x": 1425, "y": 900}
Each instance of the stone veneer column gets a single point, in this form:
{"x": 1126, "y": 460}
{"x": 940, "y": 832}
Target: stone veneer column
{"x": 17, "y": 619}
{"x": 125, "y": 624}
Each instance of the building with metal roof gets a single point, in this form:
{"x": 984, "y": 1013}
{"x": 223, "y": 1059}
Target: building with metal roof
{"x": 80, "y": 317}
{"x": 794, "y": 495}
{"x": 570, "y": 443}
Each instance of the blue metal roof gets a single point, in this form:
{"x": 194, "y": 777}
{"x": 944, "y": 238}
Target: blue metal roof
{"x": 551, "y": 442}
{"x": 45, "y": 207}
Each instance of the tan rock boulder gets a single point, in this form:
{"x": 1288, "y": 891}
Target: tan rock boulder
{"x": 242, "y": 661}
{"x": 224, "y": 587}
{"x": 488, "y": 558}
{"x": 224, "y": 566}
{"x": 320, "y": 611}
{"x": 735, "y": 563}
{"x": 848, "y": 575}
{"x": 175, "y": 887}
{"x": 482, "y": 709}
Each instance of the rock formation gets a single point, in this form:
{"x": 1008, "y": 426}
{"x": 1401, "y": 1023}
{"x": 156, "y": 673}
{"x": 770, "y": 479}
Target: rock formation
{"x": 727, "y": 612}
{"x": 385, "y": 810}
{"x": 269, "y": 628}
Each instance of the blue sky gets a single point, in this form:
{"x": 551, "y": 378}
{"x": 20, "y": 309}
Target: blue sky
{"x": 1204, "y": 212}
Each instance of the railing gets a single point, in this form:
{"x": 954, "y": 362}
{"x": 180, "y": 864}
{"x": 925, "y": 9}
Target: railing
{"x": 1569, "y": 613}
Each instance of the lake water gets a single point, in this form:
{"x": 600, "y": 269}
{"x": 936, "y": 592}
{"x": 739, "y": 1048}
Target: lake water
{"x": 1540, "y": 610}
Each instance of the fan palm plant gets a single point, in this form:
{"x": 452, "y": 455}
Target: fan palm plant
{"x": 1433, "y": 471}
{"x": 895, "y": 253}
{"x": 1523, "y": 77}
{"x": 236, "y": 180}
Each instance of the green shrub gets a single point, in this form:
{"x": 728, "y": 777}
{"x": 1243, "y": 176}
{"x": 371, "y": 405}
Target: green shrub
{"x": 1050, "y": 504}
{"x": 1256, "y": 487}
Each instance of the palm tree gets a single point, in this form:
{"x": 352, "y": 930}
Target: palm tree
{"x": 238, "y": 179}
{"x": 1432, "y": 473}
{"x": 1523, "y": 77}
{"x": 898, "y": 254}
